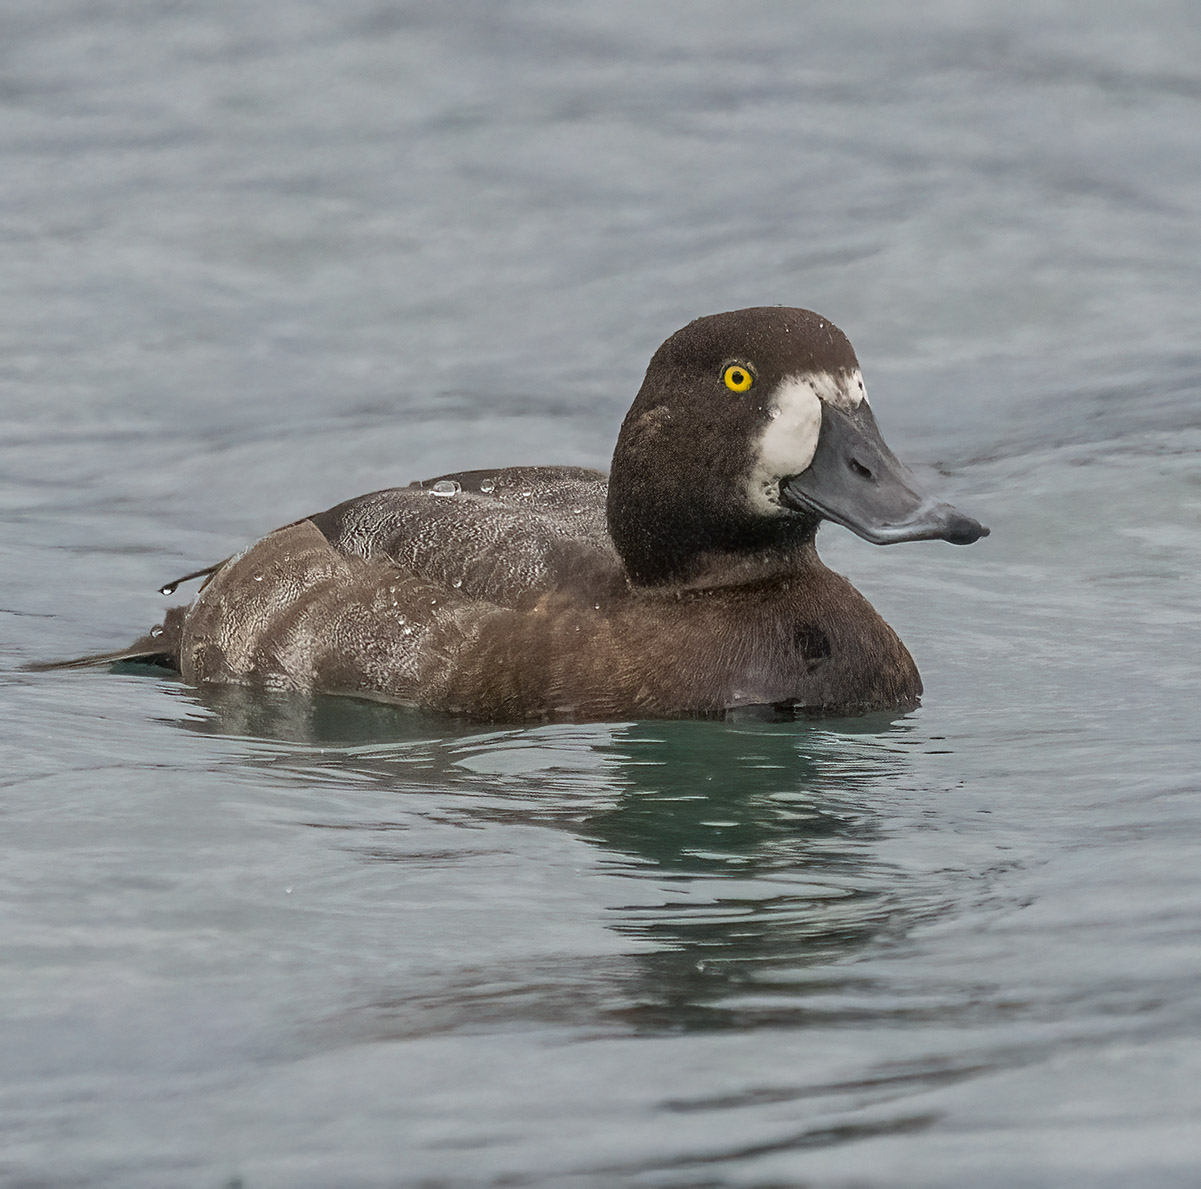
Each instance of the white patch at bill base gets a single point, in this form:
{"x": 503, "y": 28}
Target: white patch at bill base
{"x": 843, "y": 390}
{"x": 789, "y": 441}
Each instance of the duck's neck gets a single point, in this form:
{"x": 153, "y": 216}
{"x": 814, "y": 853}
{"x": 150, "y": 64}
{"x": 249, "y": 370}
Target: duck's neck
{"x": 713, "y": 571}
{"x": 689, "y": 549}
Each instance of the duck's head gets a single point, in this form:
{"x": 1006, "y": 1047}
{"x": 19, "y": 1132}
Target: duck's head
{"x": 751, "y": 428}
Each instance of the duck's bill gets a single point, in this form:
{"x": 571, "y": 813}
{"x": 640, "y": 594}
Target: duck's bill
{"x": 856, "y": 481}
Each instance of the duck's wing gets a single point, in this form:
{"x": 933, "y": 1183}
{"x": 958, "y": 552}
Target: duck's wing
{"x": 502, "y": 536}
{"x": 417, "y": 594}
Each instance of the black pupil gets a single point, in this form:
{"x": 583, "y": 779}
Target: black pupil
{"x": 736, "y": 377}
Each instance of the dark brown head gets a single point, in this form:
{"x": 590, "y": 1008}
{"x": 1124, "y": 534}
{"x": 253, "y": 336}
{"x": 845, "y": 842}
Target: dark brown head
{"x": 750, "y": 428}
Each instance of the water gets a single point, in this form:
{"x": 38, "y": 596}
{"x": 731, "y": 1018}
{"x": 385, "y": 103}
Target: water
{"x": 260, "y": 258}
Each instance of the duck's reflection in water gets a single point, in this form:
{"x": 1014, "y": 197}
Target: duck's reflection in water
{"x": 759, "y": 844}
{"x": 745, "y": 854}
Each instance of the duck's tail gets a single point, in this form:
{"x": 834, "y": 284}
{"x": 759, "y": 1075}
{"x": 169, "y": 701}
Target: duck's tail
{"x": 159, "y": 646}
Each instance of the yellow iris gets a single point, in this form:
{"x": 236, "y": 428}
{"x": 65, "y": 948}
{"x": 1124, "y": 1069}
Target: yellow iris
{"x": 737, "y": 378}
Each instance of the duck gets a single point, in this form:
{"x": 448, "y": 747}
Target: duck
{"x": 685, "y": 583}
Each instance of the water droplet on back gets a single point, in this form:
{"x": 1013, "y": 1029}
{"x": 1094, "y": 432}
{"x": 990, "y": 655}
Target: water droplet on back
{"x": 487, "y": 487}
{"x": 445, "y": 487}
{"x": 458, "y": 582}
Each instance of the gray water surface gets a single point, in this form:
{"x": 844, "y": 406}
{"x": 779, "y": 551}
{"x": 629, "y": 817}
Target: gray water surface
{"x": 258, "y": 258}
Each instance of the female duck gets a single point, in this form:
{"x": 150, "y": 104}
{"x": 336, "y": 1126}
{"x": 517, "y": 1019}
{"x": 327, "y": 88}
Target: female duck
{"x": 686, "y": 585}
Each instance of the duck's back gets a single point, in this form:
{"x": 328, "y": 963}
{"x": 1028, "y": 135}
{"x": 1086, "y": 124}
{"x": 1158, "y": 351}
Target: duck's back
{"x": 386, "y": 595}
{"x": 500, "y": 536}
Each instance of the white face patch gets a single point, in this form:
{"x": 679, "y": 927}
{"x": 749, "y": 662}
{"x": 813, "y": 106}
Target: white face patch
{"x": 789, "y": 442}
{"x": 843, "y": 390}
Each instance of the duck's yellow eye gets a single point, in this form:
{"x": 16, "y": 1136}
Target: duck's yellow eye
{"x": 737, "y": 378}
